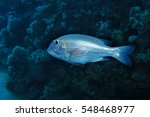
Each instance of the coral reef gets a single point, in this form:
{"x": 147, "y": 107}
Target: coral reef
{"x": 27, "y": 27}
{"x": 17, "y": 68}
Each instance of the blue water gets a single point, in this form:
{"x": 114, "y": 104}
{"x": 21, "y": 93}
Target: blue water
{"x": 27, "y": 27}
{"x": 5, "y": 94}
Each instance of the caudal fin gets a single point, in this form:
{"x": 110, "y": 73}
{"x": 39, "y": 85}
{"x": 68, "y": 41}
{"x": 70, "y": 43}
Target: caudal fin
{"x": 123, "y": 53}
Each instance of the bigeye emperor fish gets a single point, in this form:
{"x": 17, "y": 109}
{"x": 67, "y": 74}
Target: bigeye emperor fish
{"x": 81, "y": 49}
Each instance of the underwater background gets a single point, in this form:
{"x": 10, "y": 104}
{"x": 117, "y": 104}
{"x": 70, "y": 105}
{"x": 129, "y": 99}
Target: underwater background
{"x": 27, "y": 27}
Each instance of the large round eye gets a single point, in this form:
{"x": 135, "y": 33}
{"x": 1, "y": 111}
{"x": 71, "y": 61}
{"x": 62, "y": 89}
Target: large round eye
{"x": 56, "y": 42}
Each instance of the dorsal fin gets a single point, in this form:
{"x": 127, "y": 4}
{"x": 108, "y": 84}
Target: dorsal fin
{"x": 106, "y": 42}
{"x": 87, "y": 38}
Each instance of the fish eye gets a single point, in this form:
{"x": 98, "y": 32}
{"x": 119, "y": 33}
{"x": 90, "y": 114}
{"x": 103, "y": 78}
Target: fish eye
{"x": 56, "y": 42}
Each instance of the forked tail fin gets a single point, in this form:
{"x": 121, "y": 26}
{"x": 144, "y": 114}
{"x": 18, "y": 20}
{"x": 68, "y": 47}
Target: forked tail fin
{"x": 122, "y": 54}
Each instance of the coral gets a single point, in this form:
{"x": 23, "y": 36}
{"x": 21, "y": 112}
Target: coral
{"x": 37, "y": 28}
{"x": 27, "y": 27}
{"x": 13, "y": 24}
{"x": 103, "y": 29}
{"x": 4, "y": 52}
{"x": 134, "y": 17}
{"x": 9, "y": 39}
{"x": 139, "y": 20}
{"x": 132, "y": 38}
{"x": 40, "y": 56}
{"x": 46, "y": 11}
{"x": 13, "y": 33}
{"x": 5, "y": 37}
{"x": 144, "y": 57}
{"x": 18, "y": 69}
{"x": 2, "y": 22}
{"x": 17, "y": 62}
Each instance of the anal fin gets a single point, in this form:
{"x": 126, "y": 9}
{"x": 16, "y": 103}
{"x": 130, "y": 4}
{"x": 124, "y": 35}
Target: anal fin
{"x": 100, "y": 59}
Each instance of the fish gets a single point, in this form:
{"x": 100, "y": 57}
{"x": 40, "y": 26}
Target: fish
{"x": 80, "y": 49}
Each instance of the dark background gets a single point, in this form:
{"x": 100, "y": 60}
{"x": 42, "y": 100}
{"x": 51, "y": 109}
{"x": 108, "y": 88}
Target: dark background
{"x": 28, "y": 26}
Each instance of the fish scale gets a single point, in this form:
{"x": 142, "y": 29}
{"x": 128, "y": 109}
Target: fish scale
{"x": 82, "y": 49}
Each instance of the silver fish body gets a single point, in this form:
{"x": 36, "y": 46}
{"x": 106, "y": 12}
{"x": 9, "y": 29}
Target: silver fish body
{"x": 82, "y": 49}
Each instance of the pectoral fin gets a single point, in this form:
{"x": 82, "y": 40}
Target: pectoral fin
{"x": 78, "y": 52}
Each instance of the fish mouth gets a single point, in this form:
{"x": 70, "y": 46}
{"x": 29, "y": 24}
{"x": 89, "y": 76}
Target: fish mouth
{"x": 52, "y": 51}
